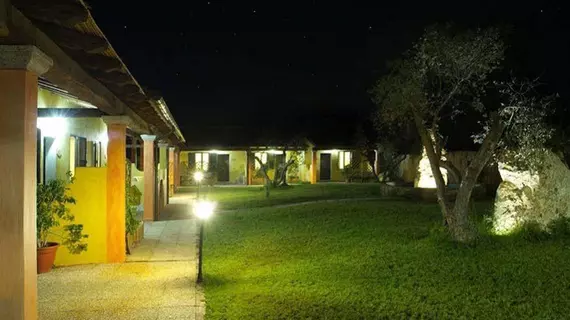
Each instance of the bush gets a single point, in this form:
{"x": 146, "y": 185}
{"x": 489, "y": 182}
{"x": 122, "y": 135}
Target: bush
{"x": 531, "y": 231}
{"x": 52, "y": 208}
{"x": 559, "y": 228}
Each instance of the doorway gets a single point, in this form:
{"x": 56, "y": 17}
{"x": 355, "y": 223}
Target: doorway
{"x": 325, "y": 173}
{"x": 49, "y": 159}
{"x": 223, "y": 167}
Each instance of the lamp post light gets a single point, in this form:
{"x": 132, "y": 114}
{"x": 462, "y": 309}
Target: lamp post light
{"x": 203, "y": 210}
{"x": 198, "y": 177}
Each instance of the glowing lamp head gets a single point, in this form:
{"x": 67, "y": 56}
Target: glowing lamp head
{"x": 52, "y": 126}
{"x": 198, "y": 176}
{"x": 204, "y": 209}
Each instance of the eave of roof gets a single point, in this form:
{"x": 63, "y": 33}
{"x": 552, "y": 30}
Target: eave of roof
{"x": 72, "y": 27}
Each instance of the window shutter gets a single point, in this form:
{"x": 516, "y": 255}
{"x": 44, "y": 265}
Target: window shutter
{"x": 81, "y": 151}
{"x": 212, "y": 161}
{"x": 192, "y": 161}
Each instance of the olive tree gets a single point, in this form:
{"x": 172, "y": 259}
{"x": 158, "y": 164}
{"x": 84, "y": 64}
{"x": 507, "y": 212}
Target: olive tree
{"x": 448, "y": 73}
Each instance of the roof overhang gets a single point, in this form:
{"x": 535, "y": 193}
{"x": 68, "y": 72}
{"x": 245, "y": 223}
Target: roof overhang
{"x": 84, "y": 63}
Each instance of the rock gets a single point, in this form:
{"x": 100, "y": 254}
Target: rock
{"x": 526, "y": 196}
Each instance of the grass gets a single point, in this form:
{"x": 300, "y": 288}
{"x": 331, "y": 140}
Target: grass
{"x": 375, "y": 260}
{"x": 229, "y": 198}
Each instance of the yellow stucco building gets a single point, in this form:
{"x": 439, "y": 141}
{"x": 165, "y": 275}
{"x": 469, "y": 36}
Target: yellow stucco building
{"x": 241, "y": 166}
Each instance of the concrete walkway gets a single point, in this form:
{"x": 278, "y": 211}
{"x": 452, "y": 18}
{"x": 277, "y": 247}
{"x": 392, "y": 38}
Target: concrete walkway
{"x": 158, "y": 281}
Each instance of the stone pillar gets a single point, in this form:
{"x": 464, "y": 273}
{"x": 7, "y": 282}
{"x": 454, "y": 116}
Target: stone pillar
{"x": 149, "y": 178}
{"x": 171, "y": 159}
{"x": 176, "y": 169}
{"x": 314, "y": 163}
{"x": 20, "y": 67}
{"x": 116, "y": 187}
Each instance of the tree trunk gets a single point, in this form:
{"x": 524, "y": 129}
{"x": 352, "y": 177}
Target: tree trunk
{"x": 283, "y": 173}
{"x": 434, "y": 164}
{"x": 461, "y": 227}
{"x": 265, "y": 176}
{"x": 267, "y": 187}
{"x": 451, "y": 169}
{"x": 376, "y": 164}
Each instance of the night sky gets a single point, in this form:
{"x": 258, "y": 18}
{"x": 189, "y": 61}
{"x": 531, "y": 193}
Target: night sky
{"x": 235, "y": 71}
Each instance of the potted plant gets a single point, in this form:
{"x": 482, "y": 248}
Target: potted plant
{"x": 52, "y": 205}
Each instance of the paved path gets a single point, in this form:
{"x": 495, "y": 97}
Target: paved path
{"x": 157, "y": 281}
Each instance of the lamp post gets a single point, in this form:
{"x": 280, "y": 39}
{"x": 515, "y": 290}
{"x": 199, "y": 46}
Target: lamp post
{"x": 198, "y": 177}
{"x": 202, "y": 210}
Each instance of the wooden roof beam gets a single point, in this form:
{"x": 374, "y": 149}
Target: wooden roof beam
{"x": 66, "y": 72}
{"x": 97, "y": 62}
{"x": 73, "y": 40}
{"x": 63, "y": 12}
{"x": 114, "y": 77}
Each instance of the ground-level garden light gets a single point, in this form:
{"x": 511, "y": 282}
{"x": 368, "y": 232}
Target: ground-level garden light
{"x": 198, "y": 177}
{"x": 203, "y": 210}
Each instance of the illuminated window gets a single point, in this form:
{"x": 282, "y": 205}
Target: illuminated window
{"x": 344, "y": 158}
{"x": 202, "y": 161}
{"x": 261, "y": 156}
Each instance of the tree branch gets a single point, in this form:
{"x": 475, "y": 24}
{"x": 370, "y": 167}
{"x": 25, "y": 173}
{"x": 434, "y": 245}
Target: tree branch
{"x": 452, "y": 169}
{"x": 263, "y": 168}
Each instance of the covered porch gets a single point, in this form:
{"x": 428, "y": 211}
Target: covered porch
{"x": 69, "y": 104}
{"x": 158, "y": 281}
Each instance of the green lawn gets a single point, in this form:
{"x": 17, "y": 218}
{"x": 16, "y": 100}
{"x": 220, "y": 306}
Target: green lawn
{"x": 374, "y": 260}
{"x": 254, "y": 196}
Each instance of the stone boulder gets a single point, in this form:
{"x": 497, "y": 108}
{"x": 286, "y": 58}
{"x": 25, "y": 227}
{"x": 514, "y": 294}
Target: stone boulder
{"x": 525, "y": 196}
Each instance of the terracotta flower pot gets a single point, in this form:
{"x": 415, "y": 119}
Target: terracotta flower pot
{"x": 46, "y": 257}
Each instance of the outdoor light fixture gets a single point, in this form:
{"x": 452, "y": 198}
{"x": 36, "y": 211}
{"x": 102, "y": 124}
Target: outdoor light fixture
{"x": 203, "y": 210}
{"x": 52, "y": 126}
{"x": 198, "y": 176}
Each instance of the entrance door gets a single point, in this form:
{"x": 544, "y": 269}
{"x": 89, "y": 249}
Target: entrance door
{"x": 223, "y": 167}
{"x": 50, "y": 159}
{"x": 325, "y": 174}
